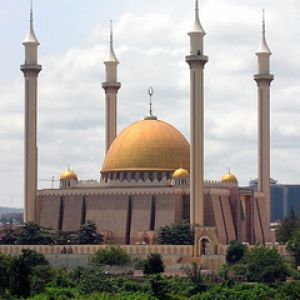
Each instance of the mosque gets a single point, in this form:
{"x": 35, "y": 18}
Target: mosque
{"x": 151, "y": 176}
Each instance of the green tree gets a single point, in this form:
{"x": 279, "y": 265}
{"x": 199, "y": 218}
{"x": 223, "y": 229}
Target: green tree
{"x": 293, "y": 246}
{"x": 5, "y": 265}
{"x": 19, "y": 277}
{"x": 177, "y": 234}
{"x": 287, "y": 228}
{"x": 29, "y": 272}
{"x": 88, "y": 235}
{"x": 112, "y": 255}
{"x": 153, "y": 264}
{"x": 33, "y": 258}
{"x": 235, "y": 252}
{"x": 34, "y": 234}
{"x": 265, "y": 265}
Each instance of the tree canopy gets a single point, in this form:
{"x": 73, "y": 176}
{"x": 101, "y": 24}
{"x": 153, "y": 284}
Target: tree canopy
{"x": 265, "y": 265}
{"x": 88, "y": 235}
{"x": 33, "y": 234}
{"x": 235, "y": 252}
{"x": 177, "y": 234}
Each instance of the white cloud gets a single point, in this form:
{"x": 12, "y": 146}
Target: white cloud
{"x": 151, "y": 47}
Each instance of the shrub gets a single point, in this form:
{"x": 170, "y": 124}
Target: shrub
{"x": 92, "y": 281}
{"x": 153, "y": 264}
{"x": 235, "y": 252}
{"x": 113, "y": 255}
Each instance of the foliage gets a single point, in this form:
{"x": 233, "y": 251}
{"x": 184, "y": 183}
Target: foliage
{"x": 153, "y": 264}
{"x": 92, "y": 281}
{"x": 265, "y": 265}
{"x": 193, "y": 272}
{"x": 57, "y": 294}
{"x": 293, "y": 245}
{"x": 287, "y": 228}
{"x": 139, "y": 263}
{"x": 88, "y": 235}
{"x": 176, "y": 234}
{"x": 158, "y": 286}
{"x": 235, "y": 252}
{"x": 62, "y": 279}
{"x": 19, "y": 279}
{"x": 33, "y": 258}
{"x": 33, "y": 234}
{"x": 122, "y": 284}
{"x": 290, "y": 290}
{"x": 5, "y": 262}
{"x": 8, "y": 237}
{"x": 64, "y": 237}
{"x": 239, "y": 292}
{"x": 113, "y": 255}
{"x": 29, "y": 272}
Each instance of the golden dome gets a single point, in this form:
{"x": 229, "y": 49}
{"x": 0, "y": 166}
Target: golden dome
{"x": 181, "y": 173}
{"x": 229, "y": 178}
{"x": 68, "y": 175}
{"x": 148, "y": 145}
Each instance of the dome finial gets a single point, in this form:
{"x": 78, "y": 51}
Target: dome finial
{"x": 31, "y": 38}
{"x": 151, "y": 116}
{"x": 111, "y": 56}
{"x": 150, "y": 93}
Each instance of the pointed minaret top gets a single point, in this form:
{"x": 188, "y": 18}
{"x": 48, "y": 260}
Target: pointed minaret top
{"x": 197, "y": 24}
{"x": 111, "y": 56}
{"x": 263, "y": 48}
{"x": 31, "y": 38}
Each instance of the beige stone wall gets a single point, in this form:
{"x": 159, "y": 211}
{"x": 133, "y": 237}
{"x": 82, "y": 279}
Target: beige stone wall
{"x": 109, "y": 212}
{"x": 72, "y": 212}
{"x": 140, "y": 217}
{"x": 166, "y": 210}
{"x": 50, "y": 210}
{"x": 178, "y": 250}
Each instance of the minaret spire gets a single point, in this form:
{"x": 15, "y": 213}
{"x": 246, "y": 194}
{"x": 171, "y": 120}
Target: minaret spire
{"x": 196, "y": 34}
{"x": 263, "y": 79}
{"x": 111, "y": 87}
{"x": 31, "y": 69}
{"x": 31, "y": 37}
{"x": 197, "y": 25}
{"x": 111, "y": 55}
{"x": 263, "y": 47}
{"x": 197, "y": 61}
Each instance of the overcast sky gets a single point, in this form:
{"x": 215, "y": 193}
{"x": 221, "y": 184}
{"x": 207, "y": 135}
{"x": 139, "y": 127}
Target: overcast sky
{"x": 151, "y": 44}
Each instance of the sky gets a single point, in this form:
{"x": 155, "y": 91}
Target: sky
{"x": 151, "y": 43}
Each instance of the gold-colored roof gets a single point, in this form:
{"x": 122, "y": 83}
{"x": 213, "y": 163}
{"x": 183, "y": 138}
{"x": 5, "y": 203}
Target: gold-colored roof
{"x": 148, "y": 145}
{"x": 229, "y": 178}
{"x": 181, "y": 173}
{"x": 68, "y": 175}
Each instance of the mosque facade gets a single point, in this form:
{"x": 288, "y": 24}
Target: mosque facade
{"x": 151, "y": 176}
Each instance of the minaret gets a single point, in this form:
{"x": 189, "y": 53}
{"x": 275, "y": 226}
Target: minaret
{"x": 111, "y": 87}
{"x": 197, "y": 61}
{"x": 263, "y": 80}
{"x": 31, "y": 69}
